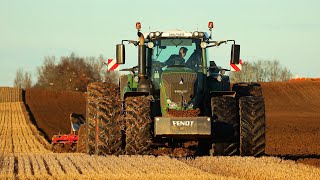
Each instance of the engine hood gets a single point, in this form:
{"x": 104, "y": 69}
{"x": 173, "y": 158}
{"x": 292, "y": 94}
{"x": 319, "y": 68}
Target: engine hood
{"x": 177, "y": 88}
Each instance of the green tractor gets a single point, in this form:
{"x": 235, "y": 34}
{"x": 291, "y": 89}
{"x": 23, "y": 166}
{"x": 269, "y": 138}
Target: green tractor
{"x": 175, "y": 102}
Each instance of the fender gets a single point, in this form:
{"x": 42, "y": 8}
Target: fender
{"x": 222, "y": 93}
{"x": 135, "y": 93}
{"x": 127, "y": 84}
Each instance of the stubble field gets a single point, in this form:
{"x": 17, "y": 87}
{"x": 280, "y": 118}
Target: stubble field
{"x": 292, "y": 133}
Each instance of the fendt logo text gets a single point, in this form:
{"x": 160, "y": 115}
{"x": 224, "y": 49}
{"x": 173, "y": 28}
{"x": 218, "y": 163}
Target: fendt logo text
{"x": 182, "y": 123}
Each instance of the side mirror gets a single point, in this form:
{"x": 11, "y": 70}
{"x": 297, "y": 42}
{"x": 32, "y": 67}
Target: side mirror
{"x": 120, "y": 54}
{"x": 235, "y": 54}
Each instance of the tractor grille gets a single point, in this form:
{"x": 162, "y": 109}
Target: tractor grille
{"x": 179, "y": 84}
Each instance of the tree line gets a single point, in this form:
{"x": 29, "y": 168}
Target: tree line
{"x": 261, "y": 71}
{"x": 75, "y": 73}
{"x": 22, "y": 79}
{"x": 70, "y": 73}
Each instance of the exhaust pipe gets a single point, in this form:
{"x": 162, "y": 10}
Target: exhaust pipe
{"x": 142, "y": 57}
{"x": 141, "y": 38}
{"x": 144, "y": 82}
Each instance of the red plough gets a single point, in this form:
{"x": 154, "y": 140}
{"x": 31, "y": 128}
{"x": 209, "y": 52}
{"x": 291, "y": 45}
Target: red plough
{"x": 68, "y": 142}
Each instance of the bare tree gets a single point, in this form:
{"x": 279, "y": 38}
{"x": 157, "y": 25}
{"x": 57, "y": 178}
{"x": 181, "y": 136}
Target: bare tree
{"x": 27, "y": 81}
{"x": 72, "y": 73}
{"x": 261, "y": 71}
{"x": 100, "y": 65}
{"x": 285, "y": 75}
{"x": 46, "y": 72}
{"x": 275, "y": 71}
{"x": 18, "y": 79}
{"x": 22, "y": 80}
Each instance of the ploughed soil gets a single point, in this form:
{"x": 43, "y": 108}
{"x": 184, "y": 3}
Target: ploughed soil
{"x": 292, "y": 111}
{"x": 293, "y": 120}
{"x": 51, "y": 109}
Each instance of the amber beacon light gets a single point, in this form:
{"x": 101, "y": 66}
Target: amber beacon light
{"x": 210, "y": 25}
{"x": 138, "y": 25}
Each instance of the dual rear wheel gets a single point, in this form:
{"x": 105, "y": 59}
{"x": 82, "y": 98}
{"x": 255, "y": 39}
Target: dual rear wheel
{"x": 104, "y": 127}
{"x": 246, "y": 115}
{"x": 114, "y": 127}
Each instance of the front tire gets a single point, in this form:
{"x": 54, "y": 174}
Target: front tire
{"x": 252, "y": 123}
{"x": 138, "y": 125}
{"x": 225, "y": 112}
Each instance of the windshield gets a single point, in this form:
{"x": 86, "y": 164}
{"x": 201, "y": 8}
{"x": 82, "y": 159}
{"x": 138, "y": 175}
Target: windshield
{"x": 175, "y": 52}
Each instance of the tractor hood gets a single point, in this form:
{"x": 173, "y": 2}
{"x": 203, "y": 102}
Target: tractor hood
{"x": 177, "y": 88}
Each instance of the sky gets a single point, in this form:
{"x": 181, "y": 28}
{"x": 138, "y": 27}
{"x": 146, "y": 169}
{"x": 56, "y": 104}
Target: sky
{"x": 287, "y": 31}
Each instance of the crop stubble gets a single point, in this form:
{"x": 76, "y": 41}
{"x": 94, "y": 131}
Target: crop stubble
{"x": 23, "y": 156}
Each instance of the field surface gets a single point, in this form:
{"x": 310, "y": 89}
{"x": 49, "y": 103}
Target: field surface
{"x": 51, "y": 109}
{"x": 293, "y": 120}
{"x": 292, "y": 133}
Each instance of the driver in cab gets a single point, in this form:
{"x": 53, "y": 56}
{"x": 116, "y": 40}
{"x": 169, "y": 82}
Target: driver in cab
{"x": 177, "y": 59}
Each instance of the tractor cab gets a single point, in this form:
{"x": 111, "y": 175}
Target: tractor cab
{"x": 172, "y": 67}
{"x": 169, "y": 52}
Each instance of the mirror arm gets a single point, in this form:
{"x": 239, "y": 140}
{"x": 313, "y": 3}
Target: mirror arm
{"x": 234, "y": 42}
{"x": 135, "y": 43}
{"x": 211, "y": 46}
{"x": 218, "y": 43}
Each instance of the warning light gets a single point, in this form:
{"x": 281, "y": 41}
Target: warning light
{"x": 210, "y": 25}
{"x": 138, "y": 25}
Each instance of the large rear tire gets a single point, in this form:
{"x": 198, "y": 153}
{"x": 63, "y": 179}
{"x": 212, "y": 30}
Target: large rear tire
{"x": 225, "y": 112}
{"x": 138, "y": 125}
{"x": 110, "y": 130}
{"x": 94, "y": 91}
{"x": 252, "y": 123}
{"x": 104, "y": 119}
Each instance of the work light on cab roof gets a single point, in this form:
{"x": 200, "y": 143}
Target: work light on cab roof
{"x": 179, "y": 33}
